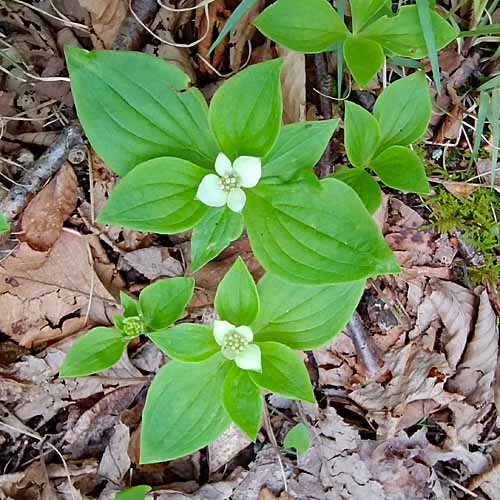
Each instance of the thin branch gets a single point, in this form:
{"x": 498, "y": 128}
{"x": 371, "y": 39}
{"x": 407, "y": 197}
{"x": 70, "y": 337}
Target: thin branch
{"x": 368, "y": 353}
{"x": 43, "y": 169}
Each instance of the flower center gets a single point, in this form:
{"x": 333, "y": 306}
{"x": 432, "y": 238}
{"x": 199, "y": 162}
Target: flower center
{"x": 233, "y": 344}
{"x": 228, "y": 183}
{"x": 133, "y": 326}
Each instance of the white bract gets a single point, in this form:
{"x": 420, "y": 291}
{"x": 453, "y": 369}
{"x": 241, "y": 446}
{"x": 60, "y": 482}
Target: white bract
{"x": 225, "y": 188}
{"x": 236, "y": 344}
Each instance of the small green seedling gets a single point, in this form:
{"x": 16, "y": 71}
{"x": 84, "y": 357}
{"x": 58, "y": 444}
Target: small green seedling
{"x": 134, "y": 493}
{"x": 160, "y": 305}
{"x": 314, "y": 26}
{"x": 221, "y": 168}
{"x": 4, "y": 224}
{"x": 380, "y": 141}
{"x": 298, "y": 438}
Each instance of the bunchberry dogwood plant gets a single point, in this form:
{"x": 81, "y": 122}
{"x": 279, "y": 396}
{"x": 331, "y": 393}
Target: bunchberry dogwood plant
{"x": 221, "y": 168}
{"x": 314, "y": 26}
{"x": 217, "y": 372}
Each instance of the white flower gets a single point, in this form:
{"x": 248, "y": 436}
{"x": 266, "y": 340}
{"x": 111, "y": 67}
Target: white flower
{"x": 236, "y": 344}
{"x": 225, "y": 188}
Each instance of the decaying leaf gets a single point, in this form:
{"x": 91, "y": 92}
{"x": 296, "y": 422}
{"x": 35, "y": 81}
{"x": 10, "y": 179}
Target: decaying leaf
{"x": 476, "y": 372}
{"x": 226, "y": 447}
{"x": 115, "y": 461}
{"x": 45, "y": 214}
{"x": 455, "y": 306}
{"x": 293, "y": 84}
{"x": 152, "y": 263}
{"x": 46, "y": 295}
{"x": 107, "y": 16}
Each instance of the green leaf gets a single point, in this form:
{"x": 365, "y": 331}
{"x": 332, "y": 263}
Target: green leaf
{"x": 243, "y": 401}
{"x": 130, "y": 305}
{"x": 237, "y": 300}
{"x": 283, "y": 372}
{"x": 4, "y": 224}
{"x": 213, "y": 234}
{"x": 309, "y": 27}
{"x": 493, "y": 117}
{"x": 364, "y": 11}
{"x": 232, "y": 22}
{"x": 134, "y": 493}
{"x": 163, "y": 302}
{"x": 362, "y": 134}
{"x": 364, "y": 184}
{"x": 298, "y": 438}
{"x": 315, "y": 235}
{"x": 245, "y": 113}
{"x": 364, "y": 58}
{"x": 400, "y": 168}
{"x": 135, "y": 107}
{"x": 403, "y": 111}
{"x": 96, "y": 351}
{"x": 402, "y": 34}
{"x": 299, "y": 148}
{"x": 183, "y": 411}
{"x": 157, "y": 196}
{"x": 425, "y": 16}
{"x": 304, "y": 317}
{"x": 186, "y": 342}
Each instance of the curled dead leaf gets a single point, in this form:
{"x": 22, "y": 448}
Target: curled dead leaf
{"x": 456, "y": 307}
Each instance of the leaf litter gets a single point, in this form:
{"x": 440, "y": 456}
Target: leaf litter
{"x": 427, "y": 428}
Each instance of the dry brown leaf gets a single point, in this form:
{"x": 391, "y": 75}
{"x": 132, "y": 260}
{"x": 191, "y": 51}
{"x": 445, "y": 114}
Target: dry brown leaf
{"x": 115, "y": 461}
{"x": 417, "y": 375}
{"x": 451, "y": 128}
{"x": 293, "y": 84}
{"x": 461, "y": 190}
{"x": 45, "y": 295}
{"x": 456, "y": 307}
{"x": 476, "y": 372}
{"x": 107, "y": 16}
{"x": 45, "y": 214}
{"x": 226, "y": 447}
{"x": 152, "y": 263}
{"x": 241, "y": 35}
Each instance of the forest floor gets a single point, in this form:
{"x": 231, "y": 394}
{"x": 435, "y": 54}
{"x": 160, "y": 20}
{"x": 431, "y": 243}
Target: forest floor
{"x": 409, "y": 398}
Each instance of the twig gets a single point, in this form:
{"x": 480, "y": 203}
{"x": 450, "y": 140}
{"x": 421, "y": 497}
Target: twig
{"x": 367, "y": 351}
{"x": 132, "y": 34}
{"x": 324, "y": 82}
{"x": 43, "y": 169}
{"x": 274, "y": 444}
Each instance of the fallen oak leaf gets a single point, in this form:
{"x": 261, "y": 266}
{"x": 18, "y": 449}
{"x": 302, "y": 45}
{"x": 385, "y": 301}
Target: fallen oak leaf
{"x": 47, "y": 295}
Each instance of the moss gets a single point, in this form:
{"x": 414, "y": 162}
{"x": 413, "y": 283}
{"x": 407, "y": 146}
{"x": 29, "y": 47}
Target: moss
{"x": 475, "y": 218}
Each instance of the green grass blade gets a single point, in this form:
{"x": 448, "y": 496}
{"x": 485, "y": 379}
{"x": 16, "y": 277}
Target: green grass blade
{"x": 494, "y": 117}
{"x": 490, "y": 29}
{"x": 235, "y": 18}
{"x": 484, "y": 104}
{"x": 424, "y": 14}
{"x": 405, "y": 62}
{"x": 340, "y": 51}
{"x": 492, "y": 83}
